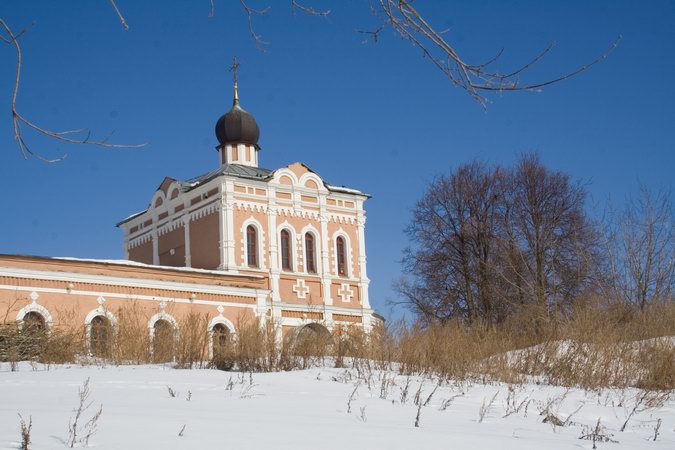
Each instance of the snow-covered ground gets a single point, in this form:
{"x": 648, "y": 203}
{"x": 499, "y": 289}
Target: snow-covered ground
{"x": 309, "y": 409}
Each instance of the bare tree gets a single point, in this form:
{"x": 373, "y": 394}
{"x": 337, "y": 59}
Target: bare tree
{"x": 642, "y": 249}
{"x": 487, "y": 241}
{"x": 455, "y": 229}
{"x": 552, "y": 244}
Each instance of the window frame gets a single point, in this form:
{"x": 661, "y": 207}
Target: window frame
{"x": 341, "y": 256}
{"x": 252, "y": 258}
{"x": 286, "y": 250}
{"x": 310, "y": 250}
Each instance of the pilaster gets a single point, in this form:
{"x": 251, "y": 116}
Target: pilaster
{"x": 363, "y": 281}
{"x": 273, "y": 248}
{"x": 325, "y": 260}
{"x": 155, "y": 247}
{"x": 186, "y": 229}
{"x": 231, "y": 264}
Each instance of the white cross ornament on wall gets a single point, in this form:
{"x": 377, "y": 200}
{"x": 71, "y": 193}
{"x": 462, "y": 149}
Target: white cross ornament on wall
{"x": 300, "y": 288}
{"x": 346, "y": 293}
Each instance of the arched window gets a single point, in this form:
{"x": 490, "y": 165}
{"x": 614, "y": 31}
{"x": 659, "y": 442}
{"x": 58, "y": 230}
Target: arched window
{"x": 33, "y": 322}
{"x": 163, "y": 341}
{"x": 286, "y": 250}
{"x": 221, "y": 337}
{"x": 252, "y": 246}
{"x": 310, "y": 260}
{"x": 99, "y": 336}
{"x": 34, "y": 334}
{"x": 340, "y": 248}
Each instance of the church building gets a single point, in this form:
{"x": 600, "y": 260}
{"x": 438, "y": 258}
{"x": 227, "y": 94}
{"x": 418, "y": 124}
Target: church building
{"x": 238, "y": 241}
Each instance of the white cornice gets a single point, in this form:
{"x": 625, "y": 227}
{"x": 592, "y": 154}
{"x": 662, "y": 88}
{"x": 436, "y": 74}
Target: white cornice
{"x": 129, "y": 282}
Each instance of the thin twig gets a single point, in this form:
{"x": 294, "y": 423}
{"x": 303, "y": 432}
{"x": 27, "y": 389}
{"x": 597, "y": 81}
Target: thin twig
{"x": 249, "y": 15}
{"x": 412, "y": 26}
{"x": 119, "y": 15}
{"x": 18, "y": 119}
{"x": 374, "y": 35}
{"x": 308, "y": 9}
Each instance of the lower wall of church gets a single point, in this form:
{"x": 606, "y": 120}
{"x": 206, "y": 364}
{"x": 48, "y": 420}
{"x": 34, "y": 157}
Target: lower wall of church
{"x": 79, "y": 309}
{"x": 62, "y": 294}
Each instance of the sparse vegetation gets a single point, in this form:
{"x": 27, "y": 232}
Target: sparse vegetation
{"x": 25, "y": 429}
{"x": 590, "y": 346}
{"x": 78, "y": 434}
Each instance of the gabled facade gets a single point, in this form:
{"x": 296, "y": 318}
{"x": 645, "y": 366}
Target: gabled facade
{"x": 305, "y": 237}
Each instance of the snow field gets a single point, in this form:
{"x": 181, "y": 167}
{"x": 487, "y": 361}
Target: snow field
{"x": 309, "y": 409}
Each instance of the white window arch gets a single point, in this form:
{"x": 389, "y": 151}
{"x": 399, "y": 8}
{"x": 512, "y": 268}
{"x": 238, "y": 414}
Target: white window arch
{"x": 285, "y": 172}
{"x": 100, "y": 311}
{"x": 219, "y": 321}
{"x": 162, "y": 315}
{"x": 35, "y": 308}
{"x": 167, "y": 350}
{"x": 91, "y": 324}
{"x": 260, "y": 241}
{"x": 347, "y": 254}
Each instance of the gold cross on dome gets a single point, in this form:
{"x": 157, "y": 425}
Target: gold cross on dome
{"x": 234, "y": 67}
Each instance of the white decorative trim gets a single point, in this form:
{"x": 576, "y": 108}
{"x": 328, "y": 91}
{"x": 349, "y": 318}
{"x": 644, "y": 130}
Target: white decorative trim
{"x": 300, "y": 288}
{"x": 123, "y": 281}
{"x": 151, "y": 298}
{"x": 157, "y": 195}
{"x": 100, "y": 311}
{"x": 34, "y": 307}
{"x": 345, "y": 292}
{"x": 222, "y": 320}
{"x": 284, "y": 171}
{"x": 162, "y": 315}
{"x": 302, "y": 182}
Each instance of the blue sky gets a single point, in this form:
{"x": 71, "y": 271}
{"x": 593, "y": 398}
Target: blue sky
{"x": 377, "y": 117}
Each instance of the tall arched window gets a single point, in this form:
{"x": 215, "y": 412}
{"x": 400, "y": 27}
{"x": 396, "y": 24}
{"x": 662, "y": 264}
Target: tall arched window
{"x": 221, "y": 336}
{"x": 286, "y": 254}
{"x": 310, "y": 260}
{"x": 34, "y": 334}
{"x": 99, "y": 336}
{"x": 33, "y": 322}
{"x": 163, "y": 341}
{"x": 340, "y": 249}
{"x": 252, "y": 246}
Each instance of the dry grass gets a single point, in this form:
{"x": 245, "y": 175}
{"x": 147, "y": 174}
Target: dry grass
{"x": 132, "y": 341}
{"x": 590, "y": 347}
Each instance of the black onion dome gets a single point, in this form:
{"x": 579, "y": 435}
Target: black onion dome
{"x": 237, "y": 126}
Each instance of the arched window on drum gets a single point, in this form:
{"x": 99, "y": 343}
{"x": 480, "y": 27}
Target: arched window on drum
{"x": 310, "y": 253}
{"x": 252, "y": 246}
{"x": 341, "y": 255}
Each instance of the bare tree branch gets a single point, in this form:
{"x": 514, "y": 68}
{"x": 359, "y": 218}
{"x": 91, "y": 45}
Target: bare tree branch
{"x": 18, "y": 119}
{"x": 249, "y": 15}
{"x": 412, "y": 26}
{"x": 307, "y": 9}
{"x": 119, "y": 15}
{"x": 374, "y": 35}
